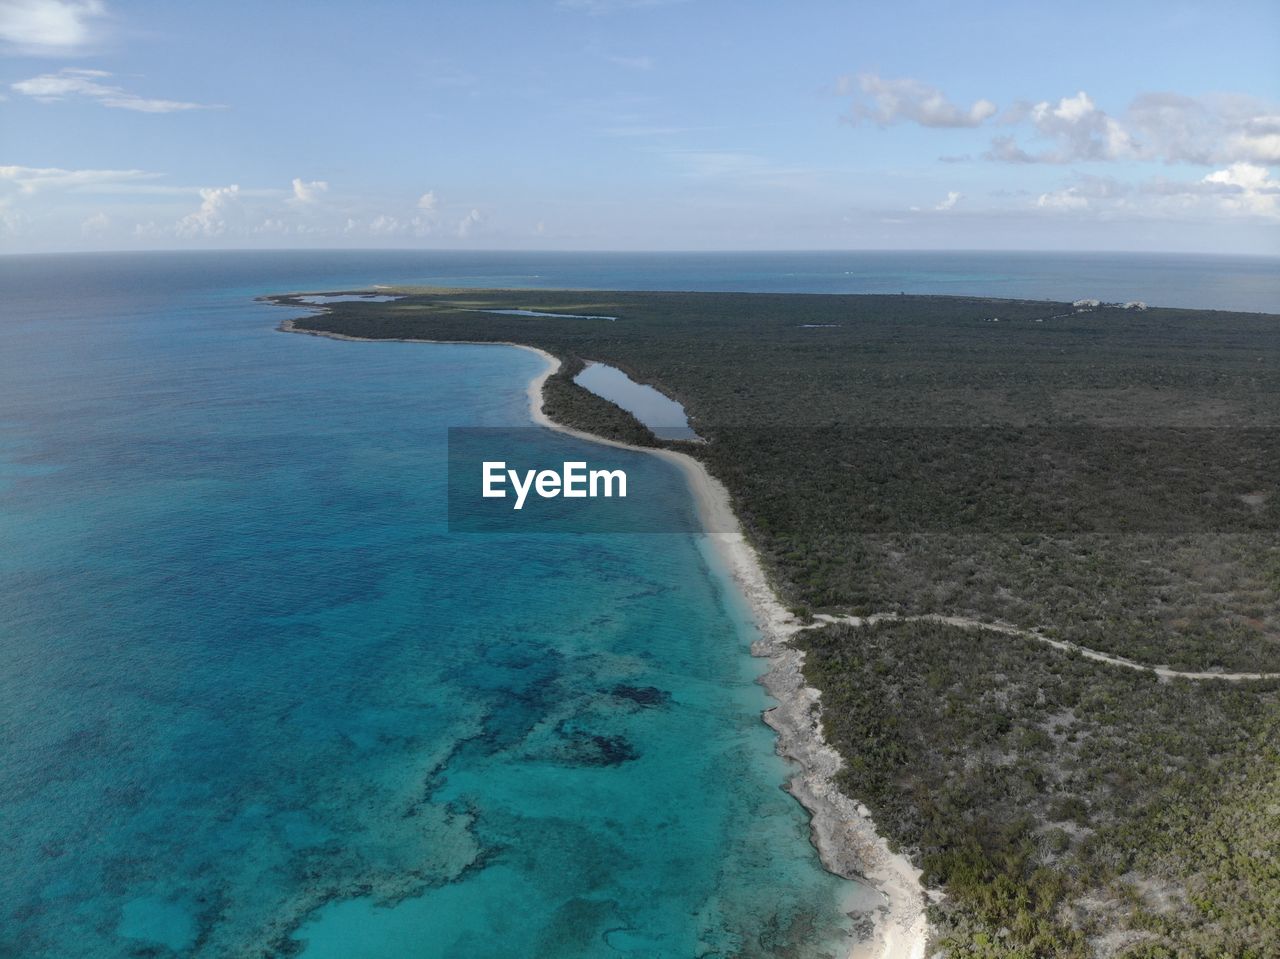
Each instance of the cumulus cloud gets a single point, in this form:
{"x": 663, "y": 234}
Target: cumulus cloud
{"x": 1218, "y": 130}
{"x": 308, "y": 191}
{"x": 188, "y": 215}
{"x": 384, "y": 225}
{"x": 949, "y": 202}
{"x": 1067, "y": 199}
{"x": 49, "y": 27}
{"x": 1208, "y": 130}
{"x": 425, "y": 220}
{"x": 1086, "y": 131}
{"x": 1249, "y": 189}
{"x": 1179, "y": 127}
{"x": 1086, "y": 192}
{"x": 905, "y": 100}
{"x": 1165, "y": 127}
{"x": 273, "y": 225}
{"x": 387, "y": 225}
{"x": 1238, "y": 190}
{"x": 72, "y": 82}
{"x": 1076, "y": 127}
{"x": 219, "y": 207}
{"x": 470, "y": 223}
{"x": 1257, "y": 140}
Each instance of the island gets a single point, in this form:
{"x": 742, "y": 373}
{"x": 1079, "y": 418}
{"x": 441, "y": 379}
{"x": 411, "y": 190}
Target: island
{"x": 1017, "y": 570}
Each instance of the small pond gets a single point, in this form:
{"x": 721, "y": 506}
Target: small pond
{"x": 663, "y": 415}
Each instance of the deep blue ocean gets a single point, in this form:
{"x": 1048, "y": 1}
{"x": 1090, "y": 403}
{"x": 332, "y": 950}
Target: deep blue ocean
{"x": 256, "y": 700}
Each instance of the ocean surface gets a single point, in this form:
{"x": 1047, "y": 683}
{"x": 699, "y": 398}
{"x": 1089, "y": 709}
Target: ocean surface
{"x": 257, "y": 700}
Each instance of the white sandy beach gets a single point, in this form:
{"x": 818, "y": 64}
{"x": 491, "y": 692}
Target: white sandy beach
{"x": 842, "y": 830}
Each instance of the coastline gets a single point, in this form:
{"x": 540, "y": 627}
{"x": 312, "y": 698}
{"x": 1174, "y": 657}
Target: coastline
{"x": 841, "y": 829}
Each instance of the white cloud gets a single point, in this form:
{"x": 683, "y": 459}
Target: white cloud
{"x": 887, "y": 102}
{"x": 1068, "y": 199}
{"x": 73, "y": 82}
{"x": 1069, "y": 109}
{"x": 31, "y": 179}
{"x": 1239, "y": 190}
{"x": 1175, "y": 126}
{"x": 273, "y": 226}
{"x": 1088, "y": 132}
{"x": 425, "y": 220}
{"x": 1006, "y": 150}
{"x": 1099, "y": 187}
{"x": 308, "y": 192}
{"x": 1258, "y": 142}
{"x": 219, "y": 207}
{"x": 1209, "y": 130}
{"x": 49, "y": 27}
{"x": 383, "y": 225}
{"x": 952, "y": 198}
{"x": 1102, "y": 193}
{"x": 1244, "y": 175}
{"x": 1249, "y": 189}
{"x": 1075, "y": 125}
{"x": 1165, "y": 127}
{"x": 470, "y": 223}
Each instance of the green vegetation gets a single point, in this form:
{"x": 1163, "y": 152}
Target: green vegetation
{"x": 1026, "y": 780}
{"x": 1107, "y": 476}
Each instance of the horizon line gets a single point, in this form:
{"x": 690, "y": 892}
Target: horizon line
{"x": 643, "y": 252}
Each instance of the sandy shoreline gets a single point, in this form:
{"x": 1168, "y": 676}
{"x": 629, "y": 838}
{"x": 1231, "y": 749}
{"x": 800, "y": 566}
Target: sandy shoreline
{"x": 842, "y": 830}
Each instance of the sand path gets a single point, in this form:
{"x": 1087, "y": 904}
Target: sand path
{"x": 1164, "y": 672}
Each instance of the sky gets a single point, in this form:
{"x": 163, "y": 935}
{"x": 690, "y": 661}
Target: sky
{"x": 640, "y": 125}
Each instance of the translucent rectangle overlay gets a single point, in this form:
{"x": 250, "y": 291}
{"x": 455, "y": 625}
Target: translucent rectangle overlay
{"x": 890, "y": 480}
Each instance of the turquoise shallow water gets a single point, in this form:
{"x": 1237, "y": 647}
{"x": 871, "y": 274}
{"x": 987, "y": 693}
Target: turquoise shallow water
{"x": 256, "y": 700}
